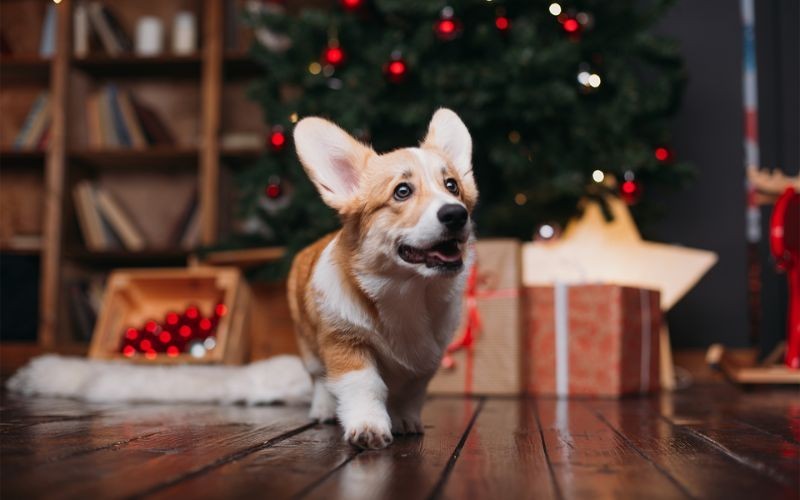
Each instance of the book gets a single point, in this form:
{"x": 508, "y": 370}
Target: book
{"x": 47, "y": 43}
{"x": 80, "y": 30}
{"x": 107, "y": 129}
{"x": 103, "y": 30}
{"x": 131, "y": 122}
{"x": 34, "y": 124}
{"x": 118, "y": 122}
{"x": 123, "y": 40}
{"x": 118, "y": 220}
{"x": 39, "y": 128}
{"x": 93, "y": 126}
{"x": 89, "y": 219}
{"x": 155, "y": 130}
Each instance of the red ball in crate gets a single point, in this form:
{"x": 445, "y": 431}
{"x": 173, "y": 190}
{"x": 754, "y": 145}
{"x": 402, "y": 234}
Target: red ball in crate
{"x": 220, "y": 310}
{"x": 172, "y": 319}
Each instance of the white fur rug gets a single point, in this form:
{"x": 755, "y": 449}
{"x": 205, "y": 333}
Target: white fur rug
{"x": 278, "y": 379}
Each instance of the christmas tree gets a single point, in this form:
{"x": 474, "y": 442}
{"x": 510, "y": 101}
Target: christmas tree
{"x": 557, "y": 97}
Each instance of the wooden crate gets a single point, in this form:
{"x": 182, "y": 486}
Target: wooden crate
{"x": 134, "y": 296}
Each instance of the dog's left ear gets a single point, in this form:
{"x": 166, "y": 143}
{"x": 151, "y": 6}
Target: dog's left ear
{"x": 448, "y": 134}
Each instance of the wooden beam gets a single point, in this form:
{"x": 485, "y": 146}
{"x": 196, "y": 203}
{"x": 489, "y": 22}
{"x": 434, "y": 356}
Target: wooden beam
{"x": 55, "y": 170}
{"x": 212, "y": 102}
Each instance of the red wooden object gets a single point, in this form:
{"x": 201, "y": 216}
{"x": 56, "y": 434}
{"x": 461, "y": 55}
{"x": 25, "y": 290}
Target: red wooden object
{"x": 784, "y": 239}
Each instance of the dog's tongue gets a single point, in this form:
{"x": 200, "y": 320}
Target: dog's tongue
{"x": 446, "y": 251}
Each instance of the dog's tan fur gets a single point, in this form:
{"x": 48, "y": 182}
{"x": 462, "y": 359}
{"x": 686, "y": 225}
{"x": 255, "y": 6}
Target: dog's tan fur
{"x": 334, "y": 347}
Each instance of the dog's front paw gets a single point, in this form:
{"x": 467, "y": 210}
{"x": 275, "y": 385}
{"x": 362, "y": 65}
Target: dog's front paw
{"x": 370, "y": 435}
{"x": 407, "y": 424}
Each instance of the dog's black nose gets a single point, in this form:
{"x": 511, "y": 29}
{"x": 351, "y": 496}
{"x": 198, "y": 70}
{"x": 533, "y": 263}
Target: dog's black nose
{"x": 453, "y": 216}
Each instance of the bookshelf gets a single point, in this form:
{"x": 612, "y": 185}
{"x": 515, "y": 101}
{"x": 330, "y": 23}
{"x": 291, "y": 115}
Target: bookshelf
{"x": 200, "y": 96}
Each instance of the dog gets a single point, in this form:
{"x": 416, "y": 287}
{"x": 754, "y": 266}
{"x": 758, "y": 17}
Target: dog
{"x": 376, "y": 303}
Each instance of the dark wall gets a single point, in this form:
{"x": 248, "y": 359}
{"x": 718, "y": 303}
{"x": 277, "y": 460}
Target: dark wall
{"x": 708, "y": 132}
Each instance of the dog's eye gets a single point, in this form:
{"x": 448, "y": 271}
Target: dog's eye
{"x": 402, "y": 191}
{"x": 451, "y": 185}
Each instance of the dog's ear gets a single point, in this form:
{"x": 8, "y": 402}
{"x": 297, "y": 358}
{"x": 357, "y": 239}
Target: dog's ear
{"x": 448, "y": 134}
{"x": 332, "y": 159}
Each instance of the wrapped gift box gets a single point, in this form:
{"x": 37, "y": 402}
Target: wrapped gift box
{"x": 136, "y": 297}
{"x": 591, "y": 340}
{"x": 486, "y": 356}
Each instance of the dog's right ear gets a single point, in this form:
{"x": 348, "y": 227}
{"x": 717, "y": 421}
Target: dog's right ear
{"x": 332, "y": 159}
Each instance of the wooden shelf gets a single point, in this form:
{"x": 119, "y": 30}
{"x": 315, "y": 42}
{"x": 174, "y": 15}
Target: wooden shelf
{"x": 156, "y": 158}
{"x": 131, "y": 66}
{"x": 30, "y": 245}
{"x": 24, "y": 69}
{"x": 22, "y": 157}
{"x": 125, "y": 258}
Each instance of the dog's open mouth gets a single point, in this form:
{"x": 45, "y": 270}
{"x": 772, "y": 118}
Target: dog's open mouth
{"x": 444, "y": 255}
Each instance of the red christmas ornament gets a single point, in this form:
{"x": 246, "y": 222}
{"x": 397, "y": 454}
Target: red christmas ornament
{"x": 571, "y": 25}
{"x": 205, "y": 325}
{"x": 220, "y": 310}
{"x": 662, "y": 154}
{"x": 333, "y": 55}
{"x": 502, "y": 23}
{"x": 152, "y": 327}
{"x": 630, "y": 191}
{"x": 128, "y": 351}
{"x": 352, "y": 4}
{"x": 273, "y": 190}
{"x": 173, "y": 351}
{"x": 192, "y": 312}
{"x": 150, "y": 354}
{"x": 131, "y": 334}
{"x": 277, "y": 138}
{"x": 145, "y": 345}
{"x": 447, "y": 27}
{"x": 185, "y": 331}
{"x": 165, "y": 337}
{"x": 172, "y": 319}
{"x": 396, "y": 70}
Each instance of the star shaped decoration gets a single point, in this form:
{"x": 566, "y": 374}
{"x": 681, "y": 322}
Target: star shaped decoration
{"x": 593, "y": 250}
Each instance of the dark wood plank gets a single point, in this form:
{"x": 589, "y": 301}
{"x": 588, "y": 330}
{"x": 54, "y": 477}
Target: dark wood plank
{"x": 192, "y": 443}
{"x": 282, "y": 471}
{"x": 764, "y": 453}
{"x": 698, "y": 467}
{"x": 590, "y": 460}
{"x": 774, "y": 411}
{"x": 412, "y": 466}
{"x": 503, "y": 456}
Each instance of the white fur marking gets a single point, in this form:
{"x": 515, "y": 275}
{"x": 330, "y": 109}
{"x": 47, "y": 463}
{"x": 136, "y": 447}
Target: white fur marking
{"x": 361, "y": 396}
{"x": 336, "y": 305}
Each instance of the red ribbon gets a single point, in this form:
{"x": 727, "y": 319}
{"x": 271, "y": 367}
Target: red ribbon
{"x": 473, "y": 325}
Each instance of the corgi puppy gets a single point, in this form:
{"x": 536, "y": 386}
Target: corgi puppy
{"x": 376, "y": 303}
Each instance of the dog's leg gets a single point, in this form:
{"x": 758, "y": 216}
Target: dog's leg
{"x": 360, "y": 394}
{"x": 323, "y": 404}
{"x": 406, "y": 408}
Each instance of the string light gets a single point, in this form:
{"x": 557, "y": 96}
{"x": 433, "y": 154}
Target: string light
{"x": 598, "y": 176}
{"x": 293, "y": 118}
{"x": 555, "y": 9}
{"x": 594, "y": 80}
{"x": 315, "y": 68}
{"x": 513, "y": 137}
{"x": 520, "y": 199}
{"x": 546, "y": 231}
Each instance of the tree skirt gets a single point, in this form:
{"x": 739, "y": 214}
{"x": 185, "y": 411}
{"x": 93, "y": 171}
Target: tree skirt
{"x": 278, "y": 379}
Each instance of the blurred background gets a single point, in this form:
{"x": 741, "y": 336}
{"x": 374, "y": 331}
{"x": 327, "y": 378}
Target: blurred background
{"x": 157, "y": 132}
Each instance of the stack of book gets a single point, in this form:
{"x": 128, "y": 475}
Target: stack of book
{"x": 105, "y": 225}
{"x": 96, "y": 18}
{"x": 116, "y": 119}
{"x": 35, "y": 131}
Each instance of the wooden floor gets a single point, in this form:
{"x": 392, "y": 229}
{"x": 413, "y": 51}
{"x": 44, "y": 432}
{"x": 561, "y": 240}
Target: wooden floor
{"x": 710, "y": 441}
